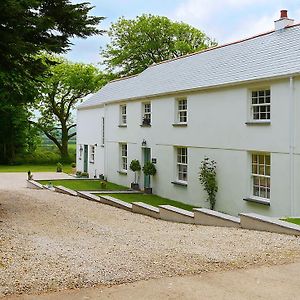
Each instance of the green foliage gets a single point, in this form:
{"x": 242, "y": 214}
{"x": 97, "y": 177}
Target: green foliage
{"x": 59, "y": 167}
{"x": 17, "y": 136}
{"x": 73, "y": 165}
{"x": 67, "y": 84}
{"x": 207, "y": 177}
{"x": 135, "y": 166}
{"x": 147, "y": 39}
{"x": 149, "y": 169}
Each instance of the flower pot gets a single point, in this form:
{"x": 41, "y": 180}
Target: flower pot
{"x": 135, "y": 186}
{"x": 147, "y": 190}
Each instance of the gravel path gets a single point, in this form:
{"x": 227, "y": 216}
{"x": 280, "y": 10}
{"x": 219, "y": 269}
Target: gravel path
{"x": 51, "y": 241}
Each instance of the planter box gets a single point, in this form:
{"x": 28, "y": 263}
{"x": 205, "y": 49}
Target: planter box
{"x": 135, "y": 186}
{"x": 148, "y": 190}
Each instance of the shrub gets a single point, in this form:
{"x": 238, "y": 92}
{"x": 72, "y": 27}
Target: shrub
{"x": 59, "y": 167}
{"x": 149, "y": 168}
{"x": 85, "y": 174}
{"x": 73, "y": 165}
{"x": 207, "y": 177}
{"x": 135, "y": 167}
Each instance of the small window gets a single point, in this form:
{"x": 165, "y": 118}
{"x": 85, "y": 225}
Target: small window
{"x": 261, "y": 105}
{"x": 146, "y": 114}
{"x": 92, "y": 154}
{"x": 123, "y": 114}
{"x": 182, "y": 164}
{"x": 123, "y": 160}
{"x": 182, "y": 114}
{"x": 261, "y": 175}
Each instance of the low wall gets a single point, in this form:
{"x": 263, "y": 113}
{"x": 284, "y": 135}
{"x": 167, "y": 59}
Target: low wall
{"x": 208, "y": 217}
{"x": 175, "y": 214}
{"x": 258, "y": 222}
{"x": 145, "y": 209}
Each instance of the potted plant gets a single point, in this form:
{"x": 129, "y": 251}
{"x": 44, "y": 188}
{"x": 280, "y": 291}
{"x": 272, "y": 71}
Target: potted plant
{"x": 84, "y": 175}
{"x": 73, "y": 166}
{"x": 149, "y": 170}
{"x": 135, "y": 167}
{"x": 59, "y": 167}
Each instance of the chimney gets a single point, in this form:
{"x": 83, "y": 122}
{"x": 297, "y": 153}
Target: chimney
{"x": 284, "y": 21}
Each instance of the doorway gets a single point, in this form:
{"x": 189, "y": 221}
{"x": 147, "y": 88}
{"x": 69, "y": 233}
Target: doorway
{"x": 146, "y": 158}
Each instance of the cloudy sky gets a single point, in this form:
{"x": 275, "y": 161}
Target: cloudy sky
{"x": 224, "y": 20}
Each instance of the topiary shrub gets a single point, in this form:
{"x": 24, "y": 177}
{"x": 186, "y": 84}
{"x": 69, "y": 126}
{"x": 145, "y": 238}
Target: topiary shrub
{"x": 135, "y": 166}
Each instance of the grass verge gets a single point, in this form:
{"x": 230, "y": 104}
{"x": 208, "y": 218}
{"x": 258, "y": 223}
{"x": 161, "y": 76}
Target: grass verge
{"x": 292, "y": 220}
{"x": 153, "y": 200}
{"x": 33, "y": 168}
{"x": 86, "y": 185}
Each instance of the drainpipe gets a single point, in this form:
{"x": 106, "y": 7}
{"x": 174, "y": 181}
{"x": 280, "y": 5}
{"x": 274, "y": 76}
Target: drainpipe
{"x": 105, "y": 145}
{"x": 292, "y": 146}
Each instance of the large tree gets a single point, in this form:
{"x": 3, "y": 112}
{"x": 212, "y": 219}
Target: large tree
{"x": 147, "y": 39}
{"x": 59, "y": 93}
{"x": 28, "y": 27}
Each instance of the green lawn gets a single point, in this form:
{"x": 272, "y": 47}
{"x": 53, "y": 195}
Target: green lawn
{"x": 153, "y": 200}
{"x": 292, "y": 220}
{"x": 86, "y": 185}
{"x": 33, "y": 168}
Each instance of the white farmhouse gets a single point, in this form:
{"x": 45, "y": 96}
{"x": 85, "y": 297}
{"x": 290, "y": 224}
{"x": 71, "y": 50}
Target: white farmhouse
{"x": 238, "y": 104}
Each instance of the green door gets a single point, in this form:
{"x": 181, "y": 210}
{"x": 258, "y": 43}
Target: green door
{"x": 146, "y": 158}
{"x": 85, "y": 158}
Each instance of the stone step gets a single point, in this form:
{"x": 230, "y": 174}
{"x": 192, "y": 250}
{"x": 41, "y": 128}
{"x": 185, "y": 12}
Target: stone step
{"x": 116, "y": 202}
{"x": 64, "y": 190}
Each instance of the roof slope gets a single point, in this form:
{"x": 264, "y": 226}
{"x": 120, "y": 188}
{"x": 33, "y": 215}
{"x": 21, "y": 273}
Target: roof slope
{"x": 273, "y": 54}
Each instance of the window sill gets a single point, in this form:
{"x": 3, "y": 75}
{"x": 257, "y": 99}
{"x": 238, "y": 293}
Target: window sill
{"x": 102, "y": 145}
{"x": 179, "y": 183}
{"x": 179, "y": 124}
{"x": 122, "y": 125}
{"x": 267, "y": 122}
{"x": 122, "y": 172}
{"x": 92, "y": 162}
{"x": 259, "y": 201}
{"x": 144, "y": 125}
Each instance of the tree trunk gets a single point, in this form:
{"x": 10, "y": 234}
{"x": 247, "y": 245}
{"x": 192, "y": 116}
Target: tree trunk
{"x": 64, "y": 151}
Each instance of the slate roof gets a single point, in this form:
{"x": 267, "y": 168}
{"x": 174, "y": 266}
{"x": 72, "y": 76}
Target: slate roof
{"x": 273, "y": 54}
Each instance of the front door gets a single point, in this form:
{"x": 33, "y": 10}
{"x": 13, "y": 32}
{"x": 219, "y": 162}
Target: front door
{"x": 85, "y": 158}
{"x": 146, "y": 158}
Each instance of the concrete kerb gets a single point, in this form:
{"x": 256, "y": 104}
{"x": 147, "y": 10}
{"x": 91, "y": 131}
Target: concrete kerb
{"x": 32, "y": 184}
{"x": 88, "y": 196}
{"x": 116, "y": 202}
{"x": 64, "y": 190}
{"x": 145, "y": 209}
{"x": 208, "y": 217}
{"x": 175, "y": 214}
{"x": 262, "y": 223}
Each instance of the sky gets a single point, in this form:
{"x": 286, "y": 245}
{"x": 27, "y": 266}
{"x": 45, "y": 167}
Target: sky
{"x": 224, "y": 20}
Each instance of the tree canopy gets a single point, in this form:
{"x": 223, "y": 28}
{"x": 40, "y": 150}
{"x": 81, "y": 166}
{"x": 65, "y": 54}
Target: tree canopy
{"x": 30, "y": 26}
{"x": 58, "y": 95}
{"x": 147, "y": 39}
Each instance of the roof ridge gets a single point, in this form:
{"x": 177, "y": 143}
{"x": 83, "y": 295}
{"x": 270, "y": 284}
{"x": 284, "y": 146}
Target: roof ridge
{"x": 124, "y": 78}
{"x": 221, "y": 46}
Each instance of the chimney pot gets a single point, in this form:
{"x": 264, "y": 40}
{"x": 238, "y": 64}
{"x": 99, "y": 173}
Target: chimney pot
{"x": 283, "y": 14}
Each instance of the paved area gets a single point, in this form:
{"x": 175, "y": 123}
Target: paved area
{"x": 275, "y": 282}
{"x": 51, "y": 242}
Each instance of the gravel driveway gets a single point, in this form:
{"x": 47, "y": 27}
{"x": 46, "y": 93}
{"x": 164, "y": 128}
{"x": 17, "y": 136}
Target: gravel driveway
{"x": 51, "y": 241}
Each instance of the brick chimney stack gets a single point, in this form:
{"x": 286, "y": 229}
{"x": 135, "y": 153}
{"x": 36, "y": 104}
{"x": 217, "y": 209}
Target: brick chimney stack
{"x": 284, "y": 21}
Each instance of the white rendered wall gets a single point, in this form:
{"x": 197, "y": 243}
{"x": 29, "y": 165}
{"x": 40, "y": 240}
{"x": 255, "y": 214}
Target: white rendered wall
{"x": 89, "y": 125}
{"x": 216, "y": 128}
